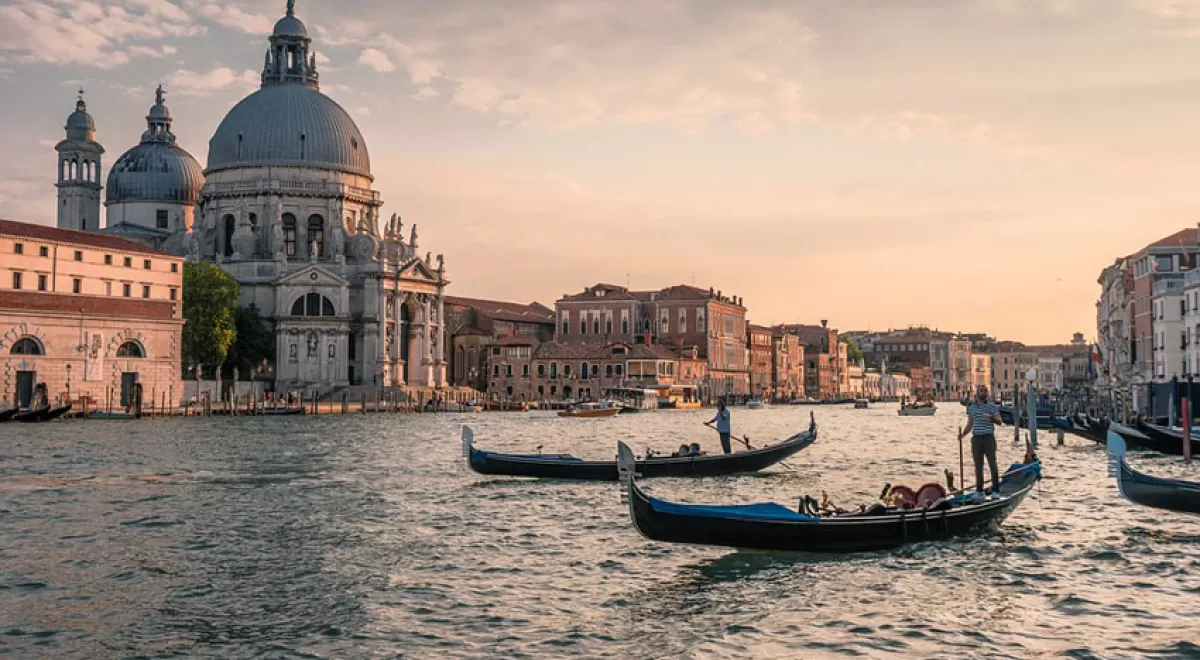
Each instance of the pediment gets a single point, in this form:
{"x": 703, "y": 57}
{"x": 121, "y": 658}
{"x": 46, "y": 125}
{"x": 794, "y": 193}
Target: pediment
{"x": 313, "y": 275}
{"x": 417, "y": 270}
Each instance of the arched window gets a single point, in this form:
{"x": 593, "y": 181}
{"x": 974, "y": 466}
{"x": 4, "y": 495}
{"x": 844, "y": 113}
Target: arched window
{"x": 131, "y": 349}
{"x": 583, "y": 370}
{"x": 289, "y": 235}
{"x": 27, "y": 346}
{"x": 554, "y": 370}
{"x": 313, "y": 304}
{"x": 65, "y": 171}
{"x": 230, "y": 224}
{"x": 316, "y": 233}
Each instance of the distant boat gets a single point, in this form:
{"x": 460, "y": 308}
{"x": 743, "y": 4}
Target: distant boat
{"x": 755, "y": 404}
{"x": 926, "y": 409}
{"x": 281, "y": 410}
{"x": 861, "y": 403}
{"x": 591, "y": 410}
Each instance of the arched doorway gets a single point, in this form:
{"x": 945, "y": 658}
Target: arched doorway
{"x": 405, "y": 336}
{"x": 229, "y": 225}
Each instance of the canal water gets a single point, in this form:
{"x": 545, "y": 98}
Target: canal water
{"x": 367, "y": 537}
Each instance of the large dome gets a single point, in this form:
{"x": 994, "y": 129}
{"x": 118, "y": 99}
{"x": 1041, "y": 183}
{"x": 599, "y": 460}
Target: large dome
{"x": 155, "y": 172}
{"x": 289, "y": 124}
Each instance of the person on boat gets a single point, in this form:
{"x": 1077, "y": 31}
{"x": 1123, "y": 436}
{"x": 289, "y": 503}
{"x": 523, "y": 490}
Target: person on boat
{"x": 722, "y": 422}
{"x": 982, "y": 417}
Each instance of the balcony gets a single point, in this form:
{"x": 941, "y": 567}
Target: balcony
{"x": 1168, "y": 283}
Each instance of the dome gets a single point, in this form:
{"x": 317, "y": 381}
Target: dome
{"x": 289, "y": 124}
{"x": 290, "y": 26}
{"x": 155, "y": 172}
{"x": 80, "y": 125}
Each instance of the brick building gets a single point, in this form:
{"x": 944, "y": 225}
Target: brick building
{"x": 476, "y": 325}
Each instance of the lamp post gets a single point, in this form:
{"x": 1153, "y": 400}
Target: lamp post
{"x": 1031, "y": 405}
{"x": 68, "y": 382}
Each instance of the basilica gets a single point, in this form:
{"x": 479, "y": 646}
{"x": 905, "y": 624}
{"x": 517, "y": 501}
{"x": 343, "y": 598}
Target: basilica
{"x": 286, "y": 206}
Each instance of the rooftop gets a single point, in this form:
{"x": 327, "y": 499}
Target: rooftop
{"x": 30, "y": 301}
{"x": 506, "y": 311}
{"x": 73, "y": 237}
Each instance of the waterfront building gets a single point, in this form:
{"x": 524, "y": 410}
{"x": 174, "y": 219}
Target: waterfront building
{"x": 824, "y": 359}
{"x": 1168, "y": 307}
{"x": 981, "y": 370}
{"x": 1114, "y": 328}
{"x": 286, "y": 206}
{"x": 1165, "y": 259}
{"x": 91, "y": 316}
{"x": 787, "y": 355}
{"x": 476, "y": 326}
{"x": 855, "y": 386}
{"x": 1191, "y": 322}
{"x": 760, "y": 343}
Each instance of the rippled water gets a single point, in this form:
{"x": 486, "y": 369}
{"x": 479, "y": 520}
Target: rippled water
{"x": 367, "y": 537}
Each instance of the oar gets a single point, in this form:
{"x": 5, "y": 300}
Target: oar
{"x": 961, "y": 463}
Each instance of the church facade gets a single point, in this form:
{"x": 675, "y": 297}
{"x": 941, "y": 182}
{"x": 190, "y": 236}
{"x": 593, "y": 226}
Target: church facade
{"x": 286, "y": 205}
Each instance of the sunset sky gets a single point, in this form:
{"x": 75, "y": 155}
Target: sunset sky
{"x": 964, "y": 164}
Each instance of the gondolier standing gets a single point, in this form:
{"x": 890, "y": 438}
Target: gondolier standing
{"x": 722, "y": 422}
{"x": 982, "y": 417}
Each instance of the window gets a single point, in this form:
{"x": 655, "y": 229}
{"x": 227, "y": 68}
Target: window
{"x": 566, "y": 370}
{"x": 595, "y": 371}
{"x": 18, "y": 248}
{"x": 27, "y": 346}
{"x": 316, "y": 233}
{"x": 595, "y": 326}
{"x": 146, "y": 264}
{"x": 230, "y": 227}
{"x": 108, "y": 288}
{"x": 174, "y": 268}
{"x": 541, "y": 370}
{"x": 525, "y": 370}
{"x": 77, "y": 286}
{"x": 554, "y": 370}
{"x": 608, "y": 370}
{"x": 43, "y": 251}
{"x": 125, "y": 288}
{"x": 129, "y": 262}
{"x": 495, "y": 370}
{"x": 624, "y": 326}
{"x": 313, "y": 304}
{"x": 682, "y": 321}
{"x": 131, "y": 349}
{"x": 608, "y": 326}
{"x": 16, "y": 280}
{"x": 508, "y": 370}
{"x": 41, "y": 282}
{"x": 145, "y": 291}
{"x": 619, "y": 368}
{"x": 78, "y": 255}
{"x": 160, "y": 218}
{"x": 583, "y": 326}
{"x": 665, "y": 326}
{"x": 108, "y": 260}
{"x": 289, "y": 235}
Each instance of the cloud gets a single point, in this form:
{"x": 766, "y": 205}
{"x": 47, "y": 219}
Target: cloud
{"x": 377, "y": 60}
{"x": 426, "y": 93}
{"x": 912, "y": 124}
{"x": 363, "y": 111}
{"x": 231, "y": 16}
{"x": 204, "y": 83}
{"x": 89, "y": 32}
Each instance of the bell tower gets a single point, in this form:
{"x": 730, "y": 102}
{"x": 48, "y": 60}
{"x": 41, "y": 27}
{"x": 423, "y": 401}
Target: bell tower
{"x": 79, "y": 172}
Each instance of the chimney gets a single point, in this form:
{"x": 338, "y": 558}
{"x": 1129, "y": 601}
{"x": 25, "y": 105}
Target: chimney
{"x": 824, "y": 322}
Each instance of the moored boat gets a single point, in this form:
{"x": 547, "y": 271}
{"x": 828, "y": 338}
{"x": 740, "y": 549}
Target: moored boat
{"x": 281, "y": 410}
{"x": 1162, "y": 439}
{"x": 43, "y": 414}
{"x": 1143, "y": 489}
{"x": 564, "y": 466}
{"x": 6, "y": 415}
{"x": 755, "y": 404}
{"x": 861, "y": 403}
{"x": 924, "y": 409}
{"x": 773, "y": 526}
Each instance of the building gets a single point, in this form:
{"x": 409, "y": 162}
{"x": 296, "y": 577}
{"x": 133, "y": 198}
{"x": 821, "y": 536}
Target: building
{"x": 981, "y": 370}
{"x": 1168, "y": 307}
{"x": 787, "y": 355}
{"x": 1191, "y": 321}
{"x": 91, "y": 316}
{"x": 824, "y": 359}
{"x": 475, "y": 326}
{"x": 286, "y": 206}
{"x": 1165, "y": 259}
{"x": 1009, "y": 368}
{"x": 684, "y": 319}
{"x": 761, "y": 344}
{"x": 1114, "y": 327}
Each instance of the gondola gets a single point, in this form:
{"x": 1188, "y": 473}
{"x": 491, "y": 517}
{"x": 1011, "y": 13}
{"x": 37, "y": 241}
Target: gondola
{"x": 563, "y": 466}
{"x": 281, "y": 410}
{"x": 772, "y": 526}
{"x": 917, "y": 410}
{"x": 6, "y": 415}
{"x": 1162, "y": 439}
{"x": 1086, "y": 427}
{"x": 43, "y": 414}
{"x": 1045, "y": 422}
{"x": 1143, "y": 489}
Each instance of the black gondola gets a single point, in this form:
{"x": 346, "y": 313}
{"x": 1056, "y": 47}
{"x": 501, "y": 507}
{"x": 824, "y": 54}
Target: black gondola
{"x": 281, "y": 410}
{"x": 6, "y": 415}
{"x": 562, "y": 466}
{"x": 43, "y": 414}
{"x": 771, "y": 526}
{"x": 1143, "y": 489}
{"x": 1162, "y": 439}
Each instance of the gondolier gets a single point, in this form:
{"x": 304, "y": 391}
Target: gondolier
{"x": 982, "y": 417}
{"x": 722, "y": 422}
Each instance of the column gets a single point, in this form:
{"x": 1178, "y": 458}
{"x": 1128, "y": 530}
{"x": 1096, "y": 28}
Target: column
{"x": 427, "y": 349}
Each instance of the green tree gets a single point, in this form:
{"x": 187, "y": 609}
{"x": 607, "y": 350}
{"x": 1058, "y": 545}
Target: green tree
{"x": 852, "y": 352}
{"x": 210, "y": 298}
{"x": 254, "y": 342}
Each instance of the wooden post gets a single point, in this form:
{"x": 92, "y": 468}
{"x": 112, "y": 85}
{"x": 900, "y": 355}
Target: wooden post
{"x": 345, "y": 396}
{"x": 376, "y": 401}
{"x": 83, "y": 400}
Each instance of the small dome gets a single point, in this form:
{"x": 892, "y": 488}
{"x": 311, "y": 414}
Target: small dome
{"x": 155, "y": 172}
{"x": 290, "y": 26}
{"x": 289, "y": 125}
{"x": 80, "y": 125}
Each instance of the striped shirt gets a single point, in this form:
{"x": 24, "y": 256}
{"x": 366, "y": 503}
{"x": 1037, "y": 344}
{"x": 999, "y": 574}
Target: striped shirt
{"x": 980, "y": 415}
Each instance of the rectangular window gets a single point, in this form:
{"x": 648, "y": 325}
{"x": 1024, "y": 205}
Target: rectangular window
{"x": 682, "y": 321}
{"x": 125, "y": 288}
{"x": 595, "y": 326}
{"x": 175, "y": 294}
{"x": 146, "y": 264}
{"x": 77, "y": 286}
{"x": 18, "y": 248}
{"x": 525, "y": 370}
{"x": 160, "y": 218}
{"x": 108, "y": 260}
{"x": 108, "y": 288}
{"x": 174, "y": 268}
{"x": 128, "y": 262}
{"x": 583, "y": 327}
{"x": 145, "y": 291}
{"x": 508, "y": 370}
{"x": 495, "y": 370}
{"x": 541, "y": 370}
{"x": 41, "y": 282}
{"x": 78, "y": 255}
{"x": 16, "y": 280}
{"x": 43, "y": 251}
{"x": 619, "y": 369}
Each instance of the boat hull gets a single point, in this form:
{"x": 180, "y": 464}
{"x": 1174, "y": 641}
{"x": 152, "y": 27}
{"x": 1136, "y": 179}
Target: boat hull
{"x": 1162, "y": 440}
{"x": 928, "y": 411}
{"x": 656, "y": 520}
{"x": 1168, "y": 494}
{"x": 568, "y": 467}
{"x": 594, "y": 412}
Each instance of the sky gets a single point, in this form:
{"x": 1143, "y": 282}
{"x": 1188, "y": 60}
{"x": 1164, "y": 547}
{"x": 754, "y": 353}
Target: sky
{"x": 967, "y": 165}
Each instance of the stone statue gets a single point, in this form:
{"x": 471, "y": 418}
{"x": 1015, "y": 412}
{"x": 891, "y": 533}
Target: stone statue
{"x": 412, "y": 241}
{"x": 276, "y": 214}
{"x": 428, "y": 258}
{"x": 243, "y": 241}
{"x": 441, "y": 267}
{"x": 277, "y": 240}
{"x": 312, "y": 344}
{"x": 312, "y": 251}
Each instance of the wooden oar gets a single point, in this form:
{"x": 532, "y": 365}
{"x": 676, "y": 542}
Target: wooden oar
{"x": 961, "y": 463}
